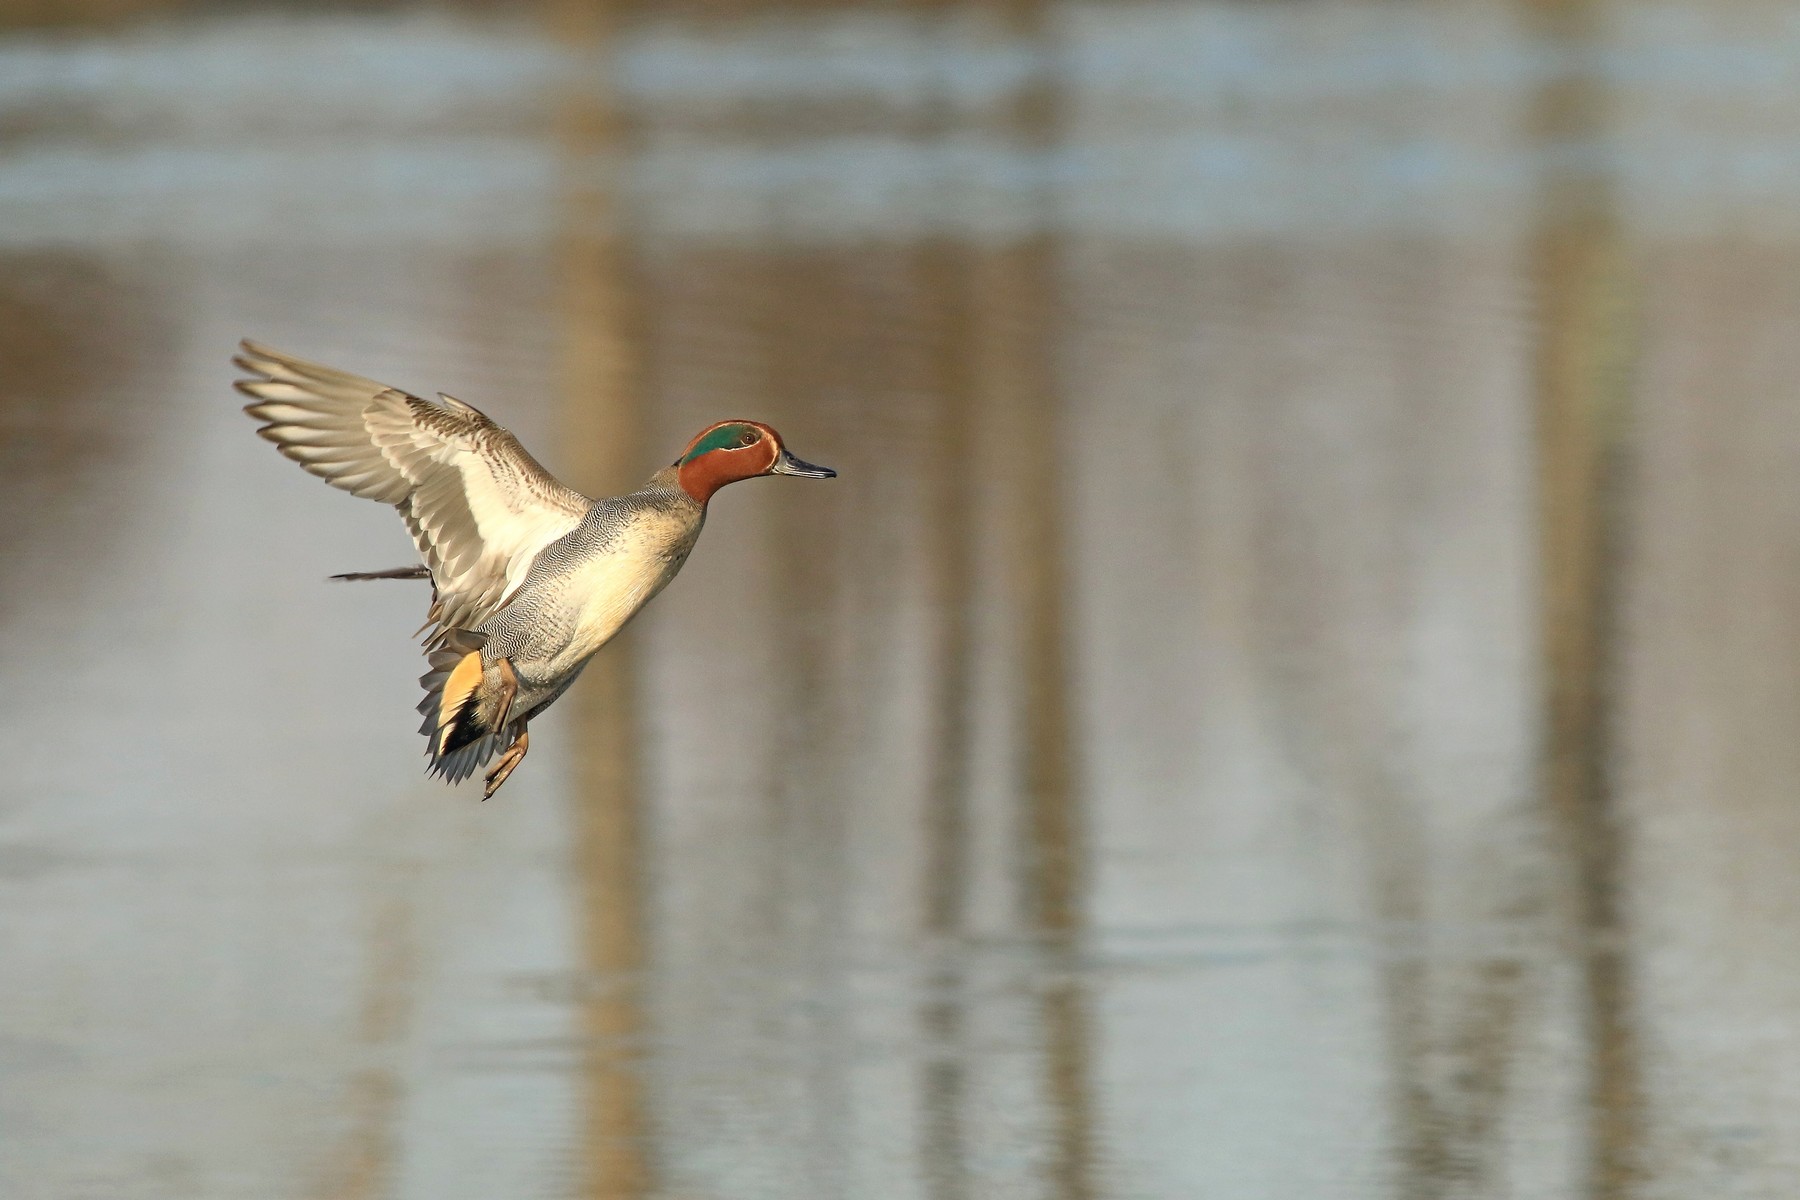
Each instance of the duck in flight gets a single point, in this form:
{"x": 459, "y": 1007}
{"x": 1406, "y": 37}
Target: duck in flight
{"x": 529, "y": 578}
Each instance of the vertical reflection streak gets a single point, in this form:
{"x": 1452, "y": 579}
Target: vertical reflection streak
{"x": 1055, "y": 867}
{"x": 951, "y": 555}
{"x": 1455, "y": 1026}
{"x": 807, "y": 789}
{"x": 943, "y": 1152}
{"x": 1017, "y": 283}
{"x": 1583, "y": 418}
{"x": 375, "y": 1091}
{"x": 602, "y": 436}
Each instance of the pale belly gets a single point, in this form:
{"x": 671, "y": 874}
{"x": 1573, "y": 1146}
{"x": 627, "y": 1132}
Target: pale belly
{"x": 599, "y": 598}
{"x": 573, "y": 603}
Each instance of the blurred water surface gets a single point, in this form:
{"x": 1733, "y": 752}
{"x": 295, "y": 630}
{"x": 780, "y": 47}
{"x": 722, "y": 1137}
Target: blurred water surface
{"x": 1292, "y": 694}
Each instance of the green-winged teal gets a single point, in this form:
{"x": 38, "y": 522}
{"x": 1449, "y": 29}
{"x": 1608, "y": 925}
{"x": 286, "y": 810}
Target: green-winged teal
{"x": 529, "y": 577}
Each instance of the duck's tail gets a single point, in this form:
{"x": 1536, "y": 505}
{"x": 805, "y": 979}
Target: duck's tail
{"x": 391, "y": 573}
{"x": 462, "y": 739}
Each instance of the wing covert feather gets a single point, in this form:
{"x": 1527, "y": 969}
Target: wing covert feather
{"x": 478, "y": 506}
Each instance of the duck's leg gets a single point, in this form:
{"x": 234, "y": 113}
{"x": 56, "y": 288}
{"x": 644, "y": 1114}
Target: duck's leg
{"x": 515, "y": 754}
{"x": 509, "y": 688}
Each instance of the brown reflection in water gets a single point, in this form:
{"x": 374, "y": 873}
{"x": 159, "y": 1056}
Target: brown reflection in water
{"x": 602, "y": 436}
{"x": 54, "y": 14}
{"x": 74, "y": 332}
{"x": 1020, "y": 281}
{"x": 806, "y": 585}
{"x": 1018, "y": 286}
{"x": 995, "y": 368}
{"x": 946, "y": 865}
{"x": 951, "y": 552}
{"x": 1585, "y": 335}
{"x": 1450, "y": 1127}
{"x": 375, "y": 1092}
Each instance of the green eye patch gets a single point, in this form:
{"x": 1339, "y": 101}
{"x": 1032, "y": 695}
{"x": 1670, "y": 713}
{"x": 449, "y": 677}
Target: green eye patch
{"x": 725, "y": 437}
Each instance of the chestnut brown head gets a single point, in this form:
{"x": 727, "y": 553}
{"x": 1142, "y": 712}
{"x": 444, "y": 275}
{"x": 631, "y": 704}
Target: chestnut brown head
{"x": 734, "y": 450}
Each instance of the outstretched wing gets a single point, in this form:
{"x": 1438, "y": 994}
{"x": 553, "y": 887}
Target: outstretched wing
{"x": 479, "y": 507}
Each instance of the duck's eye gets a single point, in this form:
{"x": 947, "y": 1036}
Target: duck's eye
{"x": 749, "y": 438}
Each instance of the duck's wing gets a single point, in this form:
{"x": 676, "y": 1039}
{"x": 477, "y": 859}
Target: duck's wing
{"x": 479, "y": 507}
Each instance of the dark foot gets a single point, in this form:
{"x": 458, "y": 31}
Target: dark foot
{"x": 515, "y": 754}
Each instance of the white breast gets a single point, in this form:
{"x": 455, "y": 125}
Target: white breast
{"x": 609, "y": 589}
{"x": 608, "y": 592}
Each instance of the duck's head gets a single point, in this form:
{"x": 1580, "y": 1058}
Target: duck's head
{"x": 734, "y": 450}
